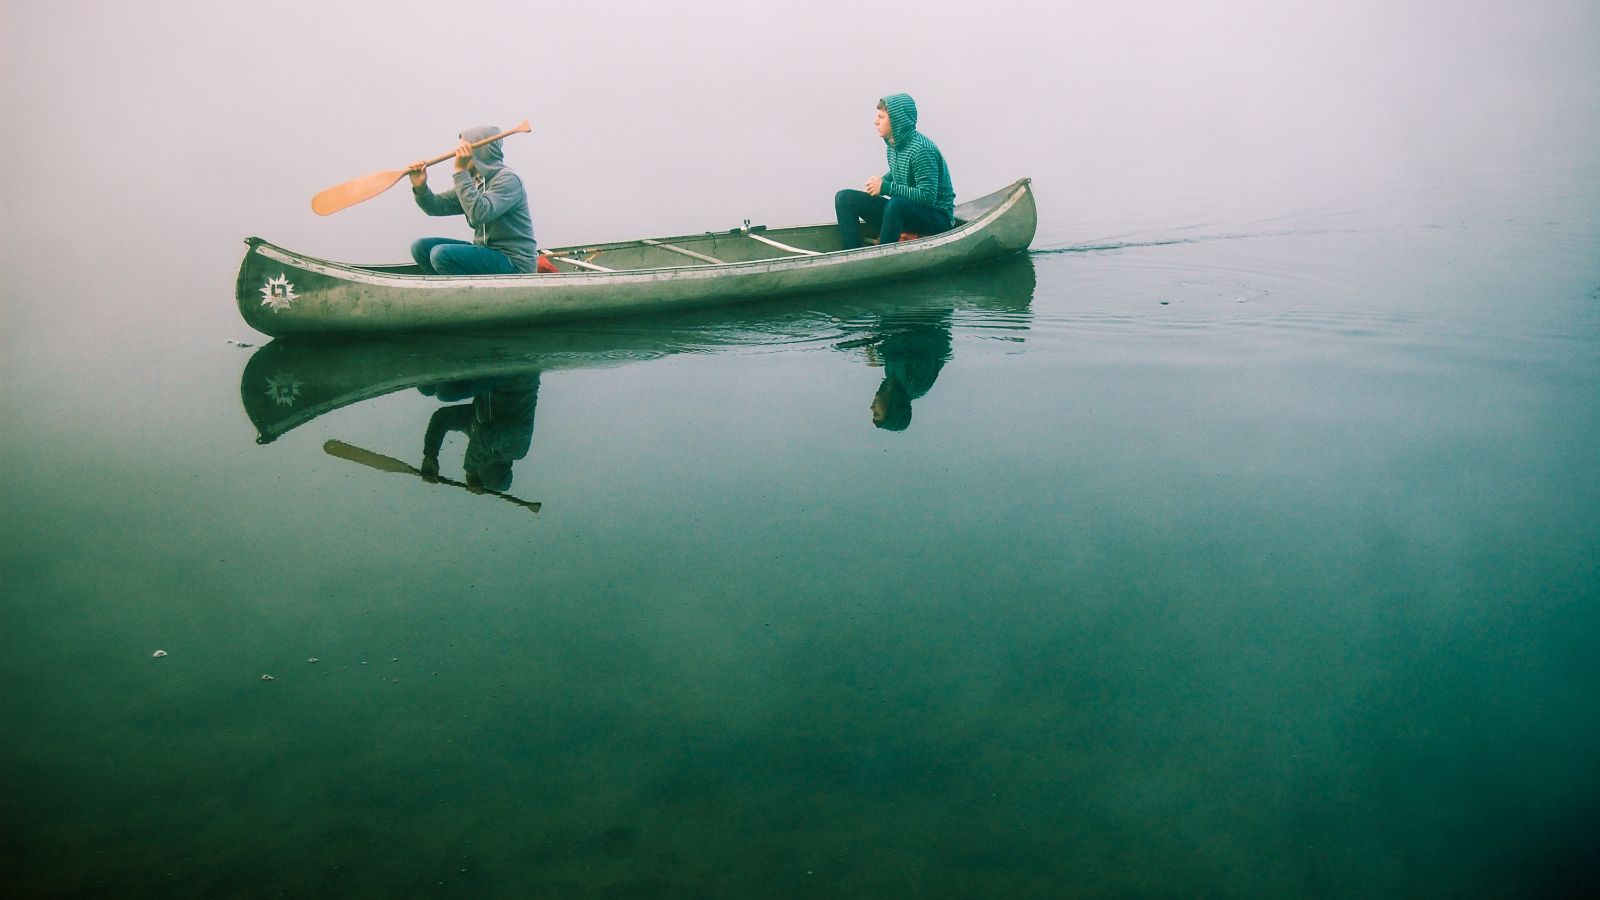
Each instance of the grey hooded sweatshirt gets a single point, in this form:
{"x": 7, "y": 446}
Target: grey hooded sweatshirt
{"x": 492, "y": 199}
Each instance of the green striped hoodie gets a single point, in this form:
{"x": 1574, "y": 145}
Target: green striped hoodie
{"x": 916, "y": 167}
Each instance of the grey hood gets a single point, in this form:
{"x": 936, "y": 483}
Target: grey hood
{"x": 489, "y": 158}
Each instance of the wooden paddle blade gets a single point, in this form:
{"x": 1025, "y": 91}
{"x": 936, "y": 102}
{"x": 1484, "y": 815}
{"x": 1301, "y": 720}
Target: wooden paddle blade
{"x": 355, "y": 191}
{"x": 367, "y": 458}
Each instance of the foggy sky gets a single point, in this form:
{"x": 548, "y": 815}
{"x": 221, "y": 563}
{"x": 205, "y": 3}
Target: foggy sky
{"x": 207, "y": 121}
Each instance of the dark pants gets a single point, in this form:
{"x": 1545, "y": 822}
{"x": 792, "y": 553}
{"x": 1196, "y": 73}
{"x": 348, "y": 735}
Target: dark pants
{"x": 448, "y": 256}
{"x": 889, "y": 216}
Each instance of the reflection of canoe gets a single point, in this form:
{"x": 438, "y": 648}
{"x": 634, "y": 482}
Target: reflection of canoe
{"x": 293, "y": 380}
{"x": 281, "y": 292}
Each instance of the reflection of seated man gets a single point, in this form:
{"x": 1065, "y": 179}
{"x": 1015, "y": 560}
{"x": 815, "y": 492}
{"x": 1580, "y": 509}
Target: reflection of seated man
{"x": 912, "y": 355}
{"x": 498, "y": 424}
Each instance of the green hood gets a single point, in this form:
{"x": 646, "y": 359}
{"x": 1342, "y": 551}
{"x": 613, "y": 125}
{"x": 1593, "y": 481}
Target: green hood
{"x": 902, "y": 116}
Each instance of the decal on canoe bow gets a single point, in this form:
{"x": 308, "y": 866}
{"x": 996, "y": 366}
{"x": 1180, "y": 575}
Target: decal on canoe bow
{"x": 278, "y": 293}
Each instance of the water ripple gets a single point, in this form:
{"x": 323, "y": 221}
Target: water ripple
{"x": 1105, "y": 245}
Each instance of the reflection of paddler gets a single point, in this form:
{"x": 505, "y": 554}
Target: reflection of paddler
{"x": 498, "y": 424}
{"x": 912, "y": 353}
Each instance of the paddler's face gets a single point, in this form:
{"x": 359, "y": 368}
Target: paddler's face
{"x": 883, "y": 123}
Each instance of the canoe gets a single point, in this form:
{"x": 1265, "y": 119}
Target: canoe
{"x": 281, "y": 292}
{"x": 296, "y": 379}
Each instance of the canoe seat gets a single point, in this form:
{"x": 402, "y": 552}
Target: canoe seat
{"x": 547, "y": 265}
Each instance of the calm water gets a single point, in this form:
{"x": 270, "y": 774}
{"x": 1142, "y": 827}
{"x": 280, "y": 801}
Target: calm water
{"x": 1238, "y": 541}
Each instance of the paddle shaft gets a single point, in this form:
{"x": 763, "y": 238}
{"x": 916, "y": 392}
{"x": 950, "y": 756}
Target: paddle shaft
{"x": 389, "y": 464}
{"x": 358, "y": 190}
{"x": 520, "y": 129}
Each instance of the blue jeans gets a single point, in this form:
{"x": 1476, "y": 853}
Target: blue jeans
{"x": 889, "y": 215}
{"x": 448, "y": 256}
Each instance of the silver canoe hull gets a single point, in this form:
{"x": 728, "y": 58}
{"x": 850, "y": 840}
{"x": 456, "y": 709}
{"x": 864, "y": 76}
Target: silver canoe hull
{"x": 280, "y": 292}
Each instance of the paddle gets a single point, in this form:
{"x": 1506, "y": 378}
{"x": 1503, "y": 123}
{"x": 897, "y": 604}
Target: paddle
{"x": 368, "y": 186}
{"x": 390, "y": 464}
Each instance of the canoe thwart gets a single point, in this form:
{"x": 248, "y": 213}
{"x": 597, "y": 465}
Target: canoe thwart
{"x": 684, "y": 251}
{"x": 780, "y": 245}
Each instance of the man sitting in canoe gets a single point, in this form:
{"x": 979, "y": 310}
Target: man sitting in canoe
{"x": 491, "y": 197}
{"x": 914, "y": 196}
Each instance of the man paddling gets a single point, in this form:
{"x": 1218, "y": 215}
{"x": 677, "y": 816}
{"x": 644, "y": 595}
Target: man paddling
{"x": 490, "y": 195}
{"x": 914, "y": 196}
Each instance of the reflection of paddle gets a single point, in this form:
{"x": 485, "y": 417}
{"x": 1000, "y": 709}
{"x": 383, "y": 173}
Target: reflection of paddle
{"x": 390, "y": 464}
{"x": 368, "y": 186}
